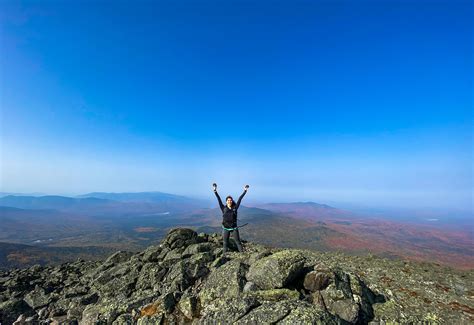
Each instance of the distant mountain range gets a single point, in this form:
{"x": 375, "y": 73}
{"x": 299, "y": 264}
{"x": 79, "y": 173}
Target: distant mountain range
{"x": 52, "y": 202}
{"x": 2, "y": 194}
{"x": 152, "y": 197}
{"x": 133, "y": 221}
{"x": 107, "y": 204}
{"x": 307, "y": 210}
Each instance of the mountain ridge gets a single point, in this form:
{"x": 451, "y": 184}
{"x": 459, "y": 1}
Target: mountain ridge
{"x": 135, "y": 225}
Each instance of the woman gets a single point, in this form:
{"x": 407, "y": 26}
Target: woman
{"x": 229, "y": 218}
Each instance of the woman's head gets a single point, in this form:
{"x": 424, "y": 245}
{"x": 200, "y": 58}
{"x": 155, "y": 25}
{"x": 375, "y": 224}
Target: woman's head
{"x": 229, "y": 201}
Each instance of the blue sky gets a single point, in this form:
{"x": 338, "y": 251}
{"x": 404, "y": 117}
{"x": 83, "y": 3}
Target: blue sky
{"x": 368, "y": 102}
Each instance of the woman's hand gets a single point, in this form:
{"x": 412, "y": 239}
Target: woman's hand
{"x": 246, "y": 187}
{"x": 214, "y": 187}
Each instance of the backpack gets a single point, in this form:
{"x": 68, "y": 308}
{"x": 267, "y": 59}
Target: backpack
{"x": 229, "y": 219}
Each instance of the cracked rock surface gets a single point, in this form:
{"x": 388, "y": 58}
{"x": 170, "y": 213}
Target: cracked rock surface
{"x": 186, "y": 280}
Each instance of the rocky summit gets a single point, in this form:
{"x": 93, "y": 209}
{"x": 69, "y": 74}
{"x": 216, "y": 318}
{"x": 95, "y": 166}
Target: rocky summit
{"x": 186, "y": 280}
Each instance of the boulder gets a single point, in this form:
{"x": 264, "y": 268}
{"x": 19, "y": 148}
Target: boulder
{"x": 347, "y": 309}
{"x": 90, "y": 315}
{"x": 90, "y": 298}
{"x": 276, "y": 294}
{"x": 59, "y": 307}
{"x": 180, "y": 237}
{"x": 150, "y": 276}
{"x": 227, "y": 310}
{"x": 118, "y": 257}
{"x": 37, "y": 298}
{"x": 277, "y": 270}
{"x": 118, "y": 281}
{"x": 250, "y": 286}
{"x": 267, "y": 313}
{"x": 75, "y": 310}
{"x": 344, "y": 295}
{"x": 227, "y": 281}
{"x": 331, "y": 294}
{"x": 305, "y": 313}
{"x": 188, "y": 306}
{"x": 151, "y": 320}
{"x": 21, "y": 320}
{"x": 151, "y": 254}
{"x": 163, "y": 305}
{"x": 197, "y": 248}
{"x": 173, "y": 255}
{"x": 184, "y": 273}
{"x": 75, "y": 291}
{"x": 317, "y": 280}
{"x": 124, "y": 319}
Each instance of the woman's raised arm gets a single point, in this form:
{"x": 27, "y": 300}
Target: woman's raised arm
{"x": 214, "y": 188}
{"x": 242, "y": 196}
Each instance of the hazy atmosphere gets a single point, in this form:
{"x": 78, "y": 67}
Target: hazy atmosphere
{"x": 323, "y": 101}
{"x": 342, "y": 129}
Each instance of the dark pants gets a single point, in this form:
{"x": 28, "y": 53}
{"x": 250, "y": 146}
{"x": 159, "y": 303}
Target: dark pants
{"x": 235, "y": 234}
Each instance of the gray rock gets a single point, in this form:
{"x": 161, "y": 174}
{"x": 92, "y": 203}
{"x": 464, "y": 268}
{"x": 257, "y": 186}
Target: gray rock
{"x": 75, "y": 310}
{"x": 118, "y": 257}
{"x": 105, "y": 311}
{"x": 203, "y": 237}
{"x": 227, "y": 310}
{"x": 254, "y": 257}
{"x": 250, "y": 286}
{"x": 118, "y": 281}
{"x": 317, "y": 280}
{"x": 188, "y": 306}
{"x": 267, "y": 313}
{"x": 165, "y": 250}
{"x": 59, "y": 307}
{"x": 61, "y": 320}
{"x": 218, "y": 262}
{"x": 43, "y": 312}
{"x": 317, "y": 299}
{"x": 174, "y": 254}
{"x": 124, "y": 319}
{"x": 31, "y": 319}
{"x": 151, "y": 254}
{"x": 275, "y": 294}
{"x": 151, "y": 320}
{"x": 346, "y": 309}
{"x": 21, "y": 320}
{"x": 78, "y": 290}
{"x": 177, "y": 278}
{"x": 185, "y": 272}
{"x": 168, "y": 302}
{"x": 37, "y": 298}
{"x": 331, "y": 294}
{"x": 226, "y": 281}
{"x": 150, "y": 276}
{"x": 180, "y": 237}
{"x": 197, "y": 248}
{"x": 90, "y": 315}
{"x": 11, "y": 309}
{"x": 202, "y": 258}
{"x": 90, "y": 298}
{"x": 305, "y": 313}
{"x": 277, "y": 270}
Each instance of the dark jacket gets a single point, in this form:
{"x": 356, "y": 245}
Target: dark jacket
{"x": 229, "y": 216}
